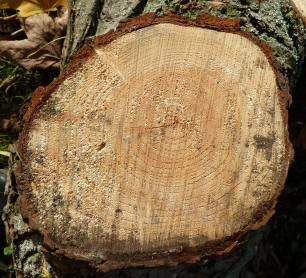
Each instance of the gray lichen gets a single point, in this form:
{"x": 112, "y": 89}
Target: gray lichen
{"x": 29, "y": 260}
{"x": 113, "y": 12}
{"x": 82, "y": 23}
{"x": 276, "y": 24}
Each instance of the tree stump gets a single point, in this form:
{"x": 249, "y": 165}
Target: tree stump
{"x": 160, "y": 143}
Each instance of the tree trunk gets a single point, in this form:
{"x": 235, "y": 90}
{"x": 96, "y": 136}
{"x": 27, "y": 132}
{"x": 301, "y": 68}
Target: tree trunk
{"x": 185, "y": 148}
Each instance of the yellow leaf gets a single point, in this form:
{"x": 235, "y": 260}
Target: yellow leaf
{"x": 4, "y": 5}
{"x": 29, "y": 7}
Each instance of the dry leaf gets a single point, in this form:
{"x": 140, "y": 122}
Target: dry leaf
{"x": 27, "y": 8}
{"x": 44, "y": 41}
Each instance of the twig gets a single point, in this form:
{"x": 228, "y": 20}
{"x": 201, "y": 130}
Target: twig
{"x": 18, "y": 32}
{"x": 4, "y": 153}
{"x": 33, "y": 53}
{"x": 7, "y": 81}
{"x": 12, "y": 84}
{"x": 9, "y": 18}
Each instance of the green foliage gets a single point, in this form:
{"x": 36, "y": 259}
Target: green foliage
{"x": 12, "y": 96}
{"x": 15, "y": 94}
{"x": 11, "y": 268}
{"x": 7, "y": 251}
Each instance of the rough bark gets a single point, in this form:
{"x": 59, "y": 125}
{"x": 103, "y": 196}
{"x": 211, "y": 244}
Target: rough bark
{"x": 300, "y": 7}
{"x": 262, "y": 20}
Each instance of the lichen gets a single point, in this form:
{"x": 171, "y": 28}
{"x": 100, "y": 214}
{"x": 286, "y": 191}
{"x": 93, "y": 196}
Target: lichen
{"x": 46, "y": 272}
{"x": 29, "y": 260}
{"x": 115, "y": 11}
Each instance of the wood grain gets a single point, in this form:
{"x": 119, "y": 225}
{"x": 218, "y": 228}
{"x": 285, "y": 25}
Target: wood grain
{"x": 169, "y": 137}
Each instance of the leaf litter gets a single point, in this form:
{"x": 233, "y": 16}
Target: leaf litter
{"x": 41, "y": 48}
{"x": 27, "y": 8}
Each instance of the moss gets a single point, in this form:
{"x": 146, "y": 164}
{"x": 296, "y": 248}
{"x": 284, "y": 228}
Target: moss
{"x": 232, "y": 12}
{"x": 191, "y": 9}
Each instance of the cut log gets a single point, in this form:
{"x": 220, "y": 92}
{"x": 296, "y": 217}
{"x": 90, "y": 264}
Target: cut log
{"x": 300, "y": 6}
{"x": 160, "y": 143}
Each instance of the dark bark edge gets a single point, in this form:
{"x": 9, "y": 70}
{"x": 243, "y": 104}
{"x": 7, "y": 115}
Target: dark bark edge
{"x": 298, "y": 11}
{"x": 41, "y": 95}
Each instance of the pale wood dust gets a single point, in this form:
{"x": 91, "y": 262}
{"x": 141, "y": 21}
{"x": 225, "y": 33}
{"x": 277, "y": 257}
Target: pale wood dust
{"x": 168, "y": 137}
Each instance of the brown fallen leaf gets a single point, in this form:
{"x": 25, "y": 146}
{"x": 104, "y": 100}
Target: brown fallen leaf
{"x": 42, "y": 48}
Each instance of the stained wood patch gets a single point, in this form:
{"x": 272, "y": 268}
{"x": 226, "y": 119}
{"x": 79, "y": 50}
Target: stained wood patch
{"x": 156, "y": 146}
